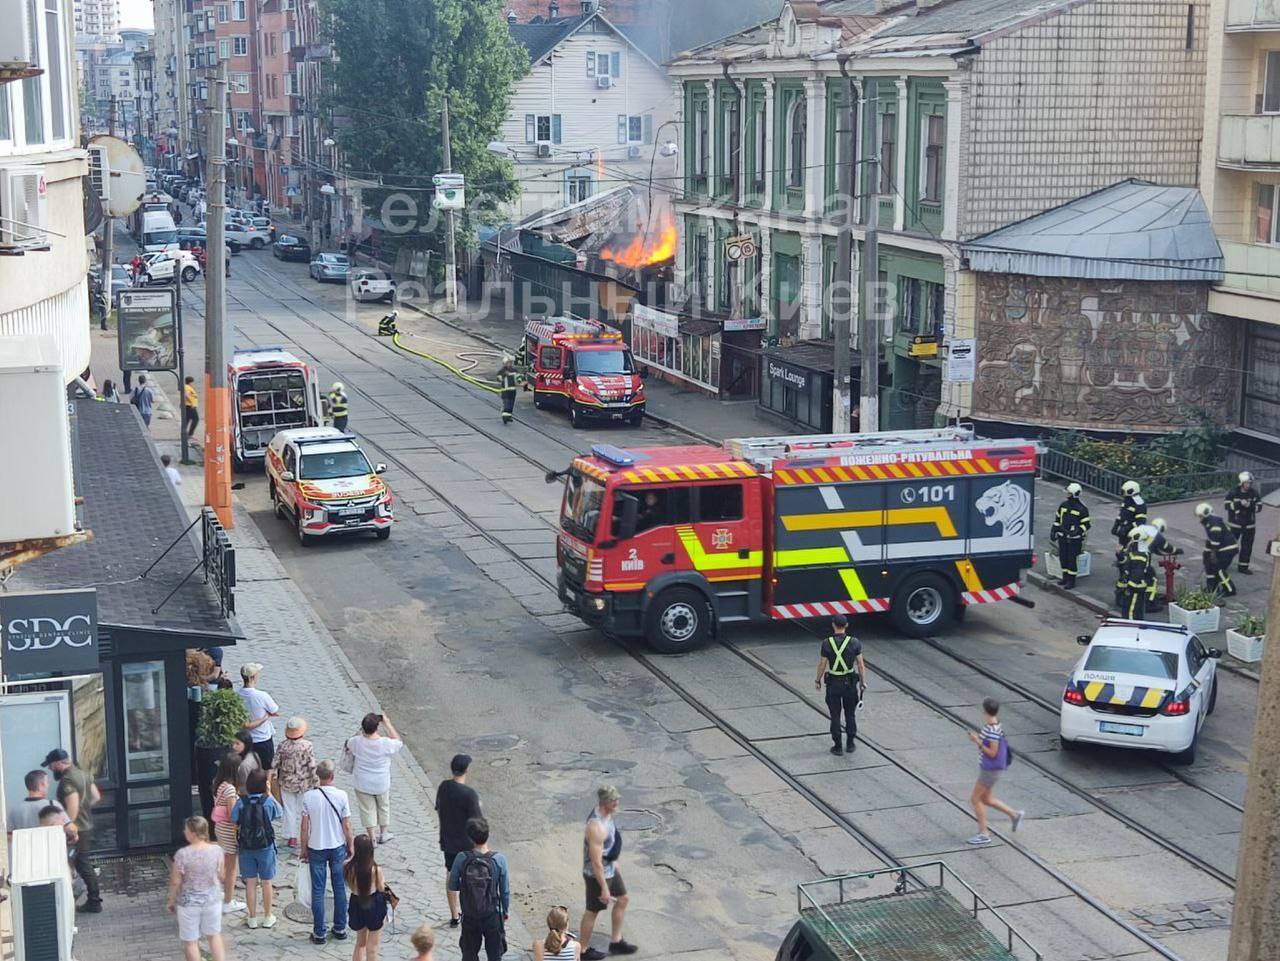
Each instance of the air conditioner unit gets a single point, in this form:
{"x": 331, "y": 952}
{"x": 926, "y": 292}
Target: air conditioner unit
{"x": 605, "y": 82}
{"x": 544, "y": 150}
{"x": 633, "y": 152}
{"x": 99, "y": 170}
{"x": 13, "y": 39}
{"x": 23, "y": 208}
{"x": 44, "y": 906}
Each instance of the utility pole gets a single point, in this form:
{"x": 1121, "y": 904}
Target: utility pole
{"x": 868, "y": 315}
{"x": 450, "y": 253}
{"x": 1255, "y": 917}
{"x": 108, "y": 229}
{"x": 217, "y": 423}
{"x": 842, "y": 293}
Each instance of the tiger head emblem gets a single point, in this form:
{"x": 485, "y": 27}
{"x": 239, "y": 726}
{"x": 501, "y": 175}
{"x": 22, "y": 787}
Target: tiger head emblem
{"x": 1009, "y": 506}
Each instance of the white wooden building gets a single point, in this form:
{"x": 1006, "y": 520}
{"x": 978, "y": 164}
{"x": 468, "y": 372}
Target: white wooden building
{"x": 591, "y": 113}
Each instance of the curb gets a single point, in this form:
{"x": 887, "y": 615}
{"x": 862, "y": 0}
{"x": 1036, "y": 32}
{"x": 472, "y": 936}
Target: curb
{"x": 485, "y": 339}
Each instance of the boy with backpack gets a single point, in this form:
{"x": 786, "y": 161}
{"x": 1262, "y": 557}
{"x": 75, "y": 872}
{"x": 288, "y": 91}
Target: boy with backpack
{"x": 483, "y": 884}
{"x": 253, "y": 815}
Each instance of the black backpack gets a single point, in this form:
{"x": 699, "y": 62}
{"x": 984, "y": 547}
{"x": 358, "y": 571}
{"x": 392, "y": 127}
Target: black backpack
{"x": 256, "y": 832}
{"x": 479, "y": 887}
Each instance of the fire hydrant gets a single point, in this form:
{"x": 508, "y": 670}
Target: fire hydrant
{"x": 1170, "y": 564}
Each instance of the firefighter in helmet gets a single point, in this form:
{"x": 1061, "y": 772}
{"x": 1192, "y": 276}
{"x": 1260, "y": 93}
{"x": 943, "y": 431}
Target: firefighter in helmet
{"x": 1158, "y": 545}
{"x": 522, "y": 361}
{"x": 1219, "y": 550}
{"x": 1070, "y": 528}
{"x": 1243, "y": 503}
{"x": 1133, "y": 512}
{"x": 1136, "y": 575}
{"x": 338, "y": 406}
{"x": 508, "y": 383}
{"x": 387, "y": 325}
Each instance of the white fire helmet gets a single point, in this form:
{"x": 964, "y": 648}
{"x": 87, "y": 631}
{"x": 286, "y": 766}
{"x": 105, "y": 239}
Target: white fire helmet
{"x": 1074, "y": 489}
{"x": 337, "y": 385}
{"x": 1203, "y": 509}
{"x": 1129, "y": 488}
{"x": 1160, "y": 524}
{"x": 1245, "y": 477}
{"x": 1146, "y": 534}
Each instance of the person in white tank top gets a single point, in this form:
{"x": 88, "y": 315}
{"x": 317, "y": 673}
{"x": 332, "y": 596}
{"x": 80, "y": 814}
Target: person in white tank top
{"x": 559, "y": 944}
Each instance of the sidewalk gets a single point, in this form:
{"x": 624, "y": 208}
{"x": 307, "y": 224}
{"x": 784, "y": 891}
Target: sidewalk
{"x": 307, "y": 673}
{"x": 714, "y": 420}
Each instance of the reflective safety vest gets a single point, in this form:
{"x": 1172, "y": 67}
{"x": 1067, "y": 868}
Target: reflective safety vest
{"x": 337, "y": 404}
{"x": 507, "y": 379}
{"x": 838, "y": 667}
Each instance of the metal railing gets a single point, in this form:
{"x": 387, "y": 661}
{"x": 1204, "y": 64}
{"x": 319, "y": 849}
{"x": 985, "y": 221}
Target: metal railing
{"x": 1157, "y": 487}
{"x": 905, "y": 877}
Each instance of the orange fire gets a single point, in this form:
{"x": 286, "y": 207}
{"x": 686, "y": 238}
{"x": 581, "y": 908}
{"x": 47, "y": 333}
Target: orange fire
{"x": 655, "y": 245}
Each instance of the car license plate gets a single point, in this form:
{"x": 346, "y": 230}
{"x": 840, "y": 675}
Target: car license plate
{"x": 1110, "y": 727}
{"x": 350, "y": 512}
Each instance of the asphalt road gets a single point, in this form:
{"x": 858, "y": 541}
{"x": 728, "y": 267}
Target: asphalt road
{"x": 451, "y": 623}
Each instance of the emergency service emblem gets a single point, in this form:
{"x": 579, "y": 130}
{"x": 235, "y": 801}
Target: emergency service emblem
{"x": 721, "y": 539}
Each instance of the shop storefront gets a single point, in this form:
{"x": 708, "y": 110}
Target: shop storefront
{"x": 714, "y": 355}
{"x": 797, "y": 382}
{"x": 97, "y": 633}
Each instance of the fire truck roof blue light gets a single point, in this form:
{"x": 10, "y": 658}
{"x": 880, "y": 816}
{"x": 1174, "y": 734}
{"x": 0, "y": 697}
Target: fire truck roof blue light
{"x": 613, "y": 455}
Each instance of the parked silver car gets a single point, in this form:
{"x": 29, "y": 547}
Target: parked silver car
{"x": 333, "y": 267}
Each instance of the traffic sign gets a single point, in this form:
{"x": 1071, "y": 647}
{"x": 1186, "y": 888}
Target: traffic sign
{"x": 447, "y": 180}
{"x": 740, "y": 247}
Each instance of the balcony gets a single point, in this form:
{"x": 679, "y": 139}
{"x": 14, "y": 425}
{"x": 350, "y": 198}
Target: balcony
{"x": 1247, "y": 15}
{"x": 1250, "y": 141}
{"x": 1251, "y": 269}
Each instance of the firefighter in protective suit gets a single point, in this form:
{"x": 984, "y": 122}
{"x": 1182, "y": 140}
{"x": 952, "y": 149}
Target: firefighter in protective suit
{"x": 507, "y": 385}
{"x": 1219, "y": 550}
{"x": 522, "y": 361}
{"x": 1243, "y": 503}
{"x": 1070, "y": 528}
{"x": 338, "y": 408}
{"x": 1133, "y": 512}
{"x": 387, "y": 325}
{"x": 1136, "y": 577}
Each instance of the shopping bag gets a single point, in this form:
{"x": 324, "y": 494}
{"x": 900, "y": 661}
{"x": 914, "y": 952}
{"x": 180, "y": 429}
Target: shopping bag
{"x": 304, "y": 883}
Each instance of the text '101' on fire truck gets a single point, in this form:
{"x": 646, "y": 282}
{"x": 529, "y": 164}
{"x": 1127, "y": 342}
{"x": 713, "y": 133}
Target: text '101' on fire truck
{"x": 583, "y": 367}
{"x": 671, "y": 543}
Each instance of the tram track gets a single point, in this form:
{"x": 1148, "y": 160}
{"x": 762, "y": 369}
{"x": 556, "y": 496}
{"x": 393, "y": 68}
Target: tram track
{"x": 878, "y": 848}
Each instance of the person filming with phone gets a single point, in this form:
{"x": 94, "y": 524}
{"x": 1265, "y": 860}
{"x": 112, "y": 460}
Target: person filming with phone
{"x": 367, "y": 757}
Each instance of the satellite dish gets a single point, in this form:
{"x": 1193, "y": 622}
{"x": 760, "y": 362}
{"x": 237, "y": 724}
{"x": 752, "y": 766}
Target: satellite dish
{"x": 118, "y": 175}
{"x": 93, "y": 214}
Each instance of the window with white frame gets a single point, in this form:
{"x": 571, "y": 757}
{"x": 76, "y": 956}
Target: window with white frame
{"x": 635, "y": 129}
{"x": 604, "y": 64}
{"x": 797, "y": 130}
{"x": 36, "y": 111}
{"x": 759, "y": 159}
{"x": 241, "y": 46}
{"x": 701, "y": 140}
{"x": 224, "y": 48}
{"x": 577, "y": 185}
{"x": 222, "y": 13}
{"x": 931, "y": 158}
{"x": 1266, "y": 216}
{"x": 1271, "y": 83}
{"x": 542, "y": 128}
{"x": 238, "y": 11}
{"x": 244, "y": 120}
{"x": 888, "y": 134}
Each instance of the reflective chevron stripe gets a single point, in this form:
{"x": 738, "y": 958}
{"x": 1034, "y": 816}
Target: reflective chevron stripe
{"x": 829, "y": 608}
{"x": 995, "y": 594}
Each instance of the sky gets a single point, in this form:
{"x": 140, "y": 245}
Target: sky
{"x": 136, "y": 13}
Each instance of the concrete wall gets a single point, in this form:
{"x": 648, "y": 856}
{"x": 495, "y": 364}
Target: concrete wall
{"x": 1074, "y": 102}
{"x": 1106, "y": 355}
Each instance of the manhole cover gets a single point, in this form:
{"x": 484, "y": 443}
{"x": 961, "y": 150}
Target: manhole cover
{"x": 639, "y": 819}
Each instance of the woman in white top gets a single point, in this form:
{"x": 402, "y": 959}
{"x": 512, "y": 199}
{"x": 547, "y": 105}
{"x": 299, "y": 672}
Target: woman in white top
{"x": 262, "y": 708}
{"x": 559, "y": 944}
{"x": 371, "y": 773}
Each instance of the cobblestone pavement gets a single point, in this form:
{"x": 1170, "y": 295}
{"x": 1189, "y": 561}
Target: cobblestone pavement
{"x": 307, "y": 674}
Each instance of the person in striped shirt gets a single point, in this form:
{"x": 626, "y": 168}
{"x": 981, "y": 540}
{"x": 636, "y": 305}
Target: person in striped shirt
{"x": 993, "y": 758}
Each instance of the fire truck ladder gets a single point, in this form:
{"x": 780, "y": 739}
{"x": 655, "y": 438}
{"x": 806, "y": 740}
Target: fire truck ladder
{"x": 570, "y": 328}
{"x": 796, "y": 448}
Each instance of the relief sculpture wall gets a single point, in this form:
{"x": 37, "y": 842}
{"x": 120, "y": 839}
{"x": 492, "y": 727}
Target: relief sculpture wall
{"x": 1101, "y": 354}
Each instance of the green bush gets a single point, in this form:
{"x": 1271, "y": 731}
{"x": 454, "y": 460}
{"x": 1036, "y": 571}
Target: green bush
{"x": 222, "y": 714}
{"x": 1250, "y": 625}
{"x": 1195, "y": 599}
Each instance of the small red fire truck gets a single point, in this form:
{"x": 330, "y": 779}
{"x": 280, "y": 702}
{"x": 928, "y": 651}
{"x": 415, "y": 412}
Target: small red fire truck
{"x": 584, "y": 367}
{"x": 670, "y": 543}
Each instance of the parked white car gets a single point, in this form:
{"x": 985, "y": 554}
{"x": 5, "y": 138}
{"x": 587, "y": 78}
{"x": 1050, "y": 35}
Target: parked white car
{"x": 369, "y": 283}
{"x": 1140, "y": 684}
{"x": 158, "y": 268}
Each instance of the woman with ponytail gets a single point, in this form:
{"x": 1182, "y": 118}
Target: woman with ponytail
{"x": 559, "y": 944}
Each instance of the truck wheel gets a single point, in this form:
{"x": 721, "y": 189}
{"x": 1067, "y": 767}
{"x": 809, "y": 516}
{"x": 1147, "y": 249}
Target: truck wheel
{"x": 1189, "y": 755}
{"x": 1068, "y": 745}
{"x": 923, "y": 605}
{"x": 188, "y": 274}
{"x": 305, "y": 539}
{"x": 257, "y": 243}
{"x": 538, "y": 402}
{"x": 276, "y": 507}
{"x": 1213, "y": 696}
{"x": 383, "y": 533}
{"x": 679, "y": 620}
{"x": 636, "y": 419}
{"x": 575, "y": 415}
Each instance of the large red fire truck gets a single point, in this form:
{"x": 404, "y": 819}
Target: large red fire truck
{"x": 584, "y": 367}
{"x": 671, "y": 543}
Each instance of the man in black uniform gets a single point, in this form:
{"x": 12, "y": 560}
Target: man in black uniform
{"x": 1219, "y": 549}
{"x": 1136, "y": 578}
{"x": 840, "y": 655}
{"x": 1070, "y": 527}
{"x": 507, "y": 385}
{"x": 1243, "y": 503}
{"x": 1133, "y": 511}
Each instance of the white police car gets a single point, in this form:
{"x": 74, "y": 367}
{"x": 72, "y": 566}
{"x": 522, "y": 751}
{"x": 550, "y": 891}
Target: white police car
{"x": 1140, "y": 684}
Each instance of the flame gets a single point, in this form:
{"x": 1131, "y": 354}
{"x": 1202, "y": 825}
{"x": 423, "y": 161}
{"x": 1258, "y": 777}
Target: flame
{"x": 656, "y": 244}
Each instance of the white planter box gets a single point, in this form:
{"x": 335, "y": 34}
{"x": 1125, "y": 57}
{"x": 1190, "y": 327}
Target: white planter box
{"x": 1198, "y": 622}
{"x": 1243, "y": 647}
{"x": 1053, "y": 565}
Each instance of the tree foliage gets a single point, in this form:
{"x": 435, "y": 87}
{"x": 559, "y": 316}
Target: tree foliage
{"x": 395, "y": 62}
